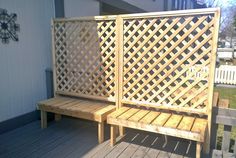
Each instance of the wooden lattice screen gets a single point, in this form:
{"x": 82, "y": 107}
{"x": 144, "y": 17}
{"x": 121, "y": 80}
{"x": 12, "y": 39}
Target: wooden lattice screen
{"x": 84, "y": 57}
{"x": 158, "y": 49}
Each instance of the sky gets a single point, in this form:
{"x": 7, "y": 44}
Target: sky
{"x": 222, "y": 3}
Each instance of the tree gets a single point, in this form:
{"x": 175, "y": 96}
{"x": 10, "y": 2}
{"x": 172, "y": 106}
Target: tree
{"x": 228, "y": 18}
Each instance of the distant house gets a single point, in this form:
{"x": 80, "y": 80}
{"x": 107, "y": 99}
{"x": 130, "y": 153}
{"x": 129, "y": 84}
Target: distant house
{"x": 226, "y": 54}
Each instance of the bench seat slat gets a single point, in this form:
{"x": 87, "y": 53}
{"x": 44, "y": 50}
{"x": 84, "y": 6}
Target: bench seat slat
{"x": 149, "y": 117}
{"x": 186, "y": 123}
{"x": 128, "y": 114}
{"x": 71, "y": 104}
{"x": 119, "y": 112}
{"x": 173, "y": 121}
{"x": 199, "y": 125}
{"x": 161, "y": 119}
{"x": 51, "y": 101}
{"x": 139, "y": 115}
{"x": 60, "y": 103}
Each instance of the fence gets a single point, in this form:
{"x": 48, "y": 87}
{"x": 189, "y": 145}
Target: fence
{"x": 225, "y": 74}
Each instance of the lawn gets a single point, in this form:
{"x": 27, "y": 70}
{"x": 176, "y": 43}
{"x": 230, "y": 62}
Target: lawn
{"x": 227, "y": 93}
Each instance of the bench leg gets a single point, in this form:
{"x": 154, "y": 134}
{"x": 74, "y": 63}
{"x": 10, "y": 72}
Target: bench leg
{"x": 121, "y": 130}
{"x": 198, "y": 149}
{"x": 100, "y": 132}
{"x": 206, "y": 144}
{"x": 57, "y": 117}
{"x": 43, "y": 119}
{"x": 113, "y": 135}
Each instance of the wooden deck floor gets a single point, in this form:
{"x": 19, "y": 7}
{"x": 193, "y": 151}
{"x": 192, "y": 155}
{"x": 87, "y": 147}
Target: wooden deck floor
{"x": 72, "y": 138}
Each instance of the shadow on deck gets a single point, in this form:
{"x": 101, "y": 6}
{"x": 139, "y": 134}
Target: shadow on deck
{"x": 78, "y": 138}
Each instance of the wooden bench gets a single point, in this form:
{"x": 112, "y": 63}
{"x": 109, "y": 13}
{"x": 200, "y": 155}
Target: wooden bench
{"x": 83, "y": 70}
{"x": 157, "y": 92}
{"x": 78, "y": 108}
{"x": 187, "y": 127}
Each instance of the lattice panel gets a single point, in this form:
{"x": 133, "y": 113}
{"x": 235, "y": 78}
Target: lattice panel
{"x": 85, "y": 57}
{"x": 158, "y": 53}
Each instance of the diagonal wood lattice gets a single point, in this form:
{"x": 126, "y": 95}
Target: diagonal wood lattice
{"x": 84, "y": 58}
{"x": 157, "y": 55}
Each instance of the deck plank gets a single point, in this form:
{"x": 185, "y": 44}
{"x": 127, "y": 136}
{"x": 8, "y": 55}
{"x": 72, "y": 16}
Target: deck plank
{"x": 133, "y": 145}
{"x": 78, "y": 138}
{"x": 121, "y": 146}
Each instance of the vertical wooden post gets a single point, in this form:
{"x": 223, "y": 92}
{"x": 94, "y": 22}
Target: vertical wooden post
{"x": 119, "y": 63}
{"x": 211, "y": 79}
{"x": 53, "y": 58}
{"x": 214, "y": 125}
{"x": 100, "y": 132}
{"x": 113, "y": 135}
{"x": 43, "y": 119}
{"x": 57, "y": 117}
{"x": 198, "y": 149}
{"x": 226, "y": 138}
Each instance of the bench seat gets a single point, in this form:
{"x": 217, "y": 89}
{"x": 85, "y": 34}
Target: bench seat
{"x": 78, "y": 108}
{"x": 171, "y": 124}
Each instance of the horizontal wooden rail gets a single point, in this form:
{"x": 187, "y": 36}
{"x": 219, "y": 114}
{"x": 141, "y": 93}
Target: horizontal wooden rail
{"x": 222, "y": 115}
{"x": 172, "y": 13}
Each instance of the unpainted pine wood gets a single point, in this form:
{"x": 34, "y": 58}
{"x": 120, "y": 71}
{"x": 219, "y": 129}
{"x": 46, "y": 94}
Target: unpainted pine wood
{"x": 126, "y": 115}
{"x": 223, "y": 103}
{"x": 43, "y": 119}
{"x": 90, "y": 74}
{"x": 60, "y": 102}
{"x": 186, "y": 123}
{"x": 161, "y": 119}
{"x": 173, "y": 121}
{"x": 215, "y": 99}
{"x": 71, "y": 104}
{"x": 211, "y": 77}
{"x": 188, "y": 12}
{"x": 214, "y": 125}
{"x": 113, "y": 135}
{"x": 174, "y": 108}
{"x": 53, "y": 58}
{"x": 139, "y": 115}
{"x": 51, "y": 101}
{"x": 198, "y": 149}
{"x": 200, "y": 126}
{"x": 100, "y": 132}
{"x": 119, "y": 81}
{"x": 118, "y": 112}
{"x": 86, "y": 109}
{"x": 149, "y": 117}
{"x": 101, "y": 114}
{"x": 191, "y": 135}
{"x": 161, "y": 58}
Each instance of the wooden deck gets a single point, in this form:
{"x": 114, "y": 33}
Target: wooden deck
{"x": 72, "y": 138}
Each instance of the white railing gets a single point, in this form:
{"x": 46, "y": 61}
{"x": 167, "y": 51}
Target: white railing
{"x": 225, "y": 74}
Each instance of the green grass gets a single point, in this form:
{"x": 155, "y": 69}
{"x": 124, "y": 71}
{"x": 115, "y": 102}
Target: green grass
{"x": 227, "y": 93}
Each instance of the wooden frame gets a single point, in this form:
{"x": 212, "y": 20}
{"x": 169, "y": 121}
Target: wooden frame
{"x": 140, "y": 60}
{"x": 202, "y": 12}
{"x": 204, "y": 23}
{"x": 97, "y": 38}
{"x": 84, "y": 65}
